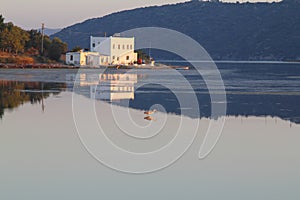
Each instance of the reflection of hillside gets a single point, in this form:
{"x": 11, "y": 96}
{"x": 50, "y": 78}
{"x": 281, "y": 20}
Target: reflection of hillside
{"x": 14, "y": 94}
{"x": 283, "y": 106}
{"x": 266, "y": 98}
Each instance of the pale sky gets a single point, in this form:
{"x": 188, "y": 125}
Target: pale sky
{"x": 61, "y": 13}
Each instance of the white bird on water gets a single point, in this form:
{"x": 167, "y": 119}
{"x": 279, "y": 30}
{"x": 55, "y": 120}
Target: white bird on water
{"x": 149, "y": 118}
{"x": 150, "y": 112}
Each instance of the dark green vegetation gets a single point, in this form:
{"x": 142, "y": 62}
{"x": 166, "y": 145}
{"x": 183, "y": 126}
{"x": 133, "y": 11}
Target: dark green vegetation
{"x": 76, "y": 49}
{"x": 15, "y": 40}
{"x": 248, "y": 31}
{"x": 12, "y": 93}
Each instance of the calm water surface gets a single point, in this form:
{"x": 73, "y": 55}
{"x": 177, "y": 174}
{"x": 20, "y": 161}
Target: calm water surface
{"x": 257, "y": 156}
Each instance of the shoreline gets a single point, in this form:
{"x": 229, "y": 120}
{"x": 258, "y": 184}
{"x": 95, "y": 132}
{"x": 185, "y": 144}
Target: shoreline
{"x": 35, "y": 66}
{"x": 155, "y": 67}
{"x": 63, "y": 66}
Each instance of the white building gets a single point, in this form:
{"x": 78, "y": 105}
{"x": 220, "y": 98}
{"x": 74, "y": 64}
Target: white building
{"x": 119, "y": 50}
{"x": 83, "y": 58}
{"x": 105, "y": 51}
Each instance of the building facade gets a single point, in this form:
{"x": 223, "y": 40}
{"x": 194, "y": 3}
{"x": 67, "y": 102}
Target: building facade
{"x": 114, "y": 50}
{"x": 83, "y": 58}
{"x": 119, "y": 50}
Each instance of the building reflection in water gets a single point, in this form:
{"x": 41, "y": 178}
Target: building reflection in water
{"x": 106, "y": 87}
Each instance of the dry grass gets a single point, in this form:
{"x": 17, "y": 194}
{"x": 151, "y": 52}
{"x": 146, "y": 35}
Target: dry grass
{"x": 17, "y": 59}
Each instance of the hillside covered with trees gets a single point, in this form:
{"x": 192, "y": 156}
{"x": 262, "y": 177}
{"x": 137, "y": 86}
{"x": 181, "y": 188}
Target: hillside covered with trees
{"x": 16, "y": 41}
{"x": 228, "y": 31}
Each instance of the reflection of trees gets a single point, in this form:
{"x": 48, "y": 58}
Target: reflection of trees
{"x": 14, "y": 94}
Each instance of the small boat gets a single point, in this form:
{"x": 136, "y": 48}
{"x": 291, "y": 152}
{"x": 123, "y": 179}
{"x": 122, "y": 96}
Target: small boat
{"x": 181, "y": 68}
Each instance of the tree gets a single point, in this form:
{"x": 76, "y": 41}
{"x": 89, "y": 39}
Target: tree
{"x": 47, "y": 45}
{"x": 13, "y": 38}
{"x": 20, "y": 38}
{"x": 35, "y": 39}
{"x": 142, "y": 55}
{"x": 76, "y": 49}
{"x": 1, "y": 28}
{"x": 57, "y": 48}
{"x": 6, "y": 40}
{"x": 1, "y": 23}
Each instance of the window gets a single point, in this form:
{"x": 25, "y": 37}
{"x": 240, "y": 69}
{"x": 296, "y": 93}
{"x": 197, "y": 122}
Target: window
{"x": 71, "y": 57}
{"x": 119, "y": 46}
{"x": 123, "y": 46}
{"x": 127, "y": 57}
{"x": 127, "y": 46}
{"x": 131, "y": 46}
{"x": 114, "y": 46}
{"x": 118, "y": 58}
{"x": 114, "y": 57}
{"x": 94, "y": 45}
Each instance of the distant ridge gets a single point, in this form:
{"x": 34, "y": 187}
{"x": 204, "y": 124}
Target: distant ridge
{"x": 228, "y": 31}
{"x": 50, "y": 31}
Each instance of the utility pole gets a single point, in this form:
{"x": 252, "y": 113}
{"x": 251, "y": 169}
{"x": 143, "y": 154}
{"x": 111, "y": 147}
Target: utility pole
{"x": 43, "y": 104}
{"x": 42, "y": 49}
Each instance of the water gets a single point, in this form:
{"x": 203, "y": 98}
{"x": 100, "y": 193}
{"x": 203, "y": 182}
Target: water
{"x": 256, "y": 157}
{"x": 251, "y": 89}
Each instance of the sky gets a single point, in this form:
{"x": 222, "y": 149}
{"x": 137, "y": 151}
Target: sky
{"x": 30, "y": 14}
{"x": 61, "y": 13}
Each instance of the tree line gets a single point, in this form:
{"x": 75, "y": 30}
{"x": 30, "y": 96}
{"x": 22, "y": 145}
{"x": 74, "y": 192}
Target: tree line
{"x": 14, "y": 39}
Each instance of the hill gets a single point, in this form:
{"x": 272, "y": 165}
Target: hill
{"x": 50, "y": 31}
{"x": 237, "y": 31}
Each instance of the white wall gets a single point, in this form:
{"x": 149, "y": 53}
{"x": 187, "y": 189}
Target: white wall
{"x": 83, "y": 58}
{"x": 119, "y": 49}
{"x": 95, "y": 41}
{"x": 73, "y": 58}
{"x": 102, "y": 45}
